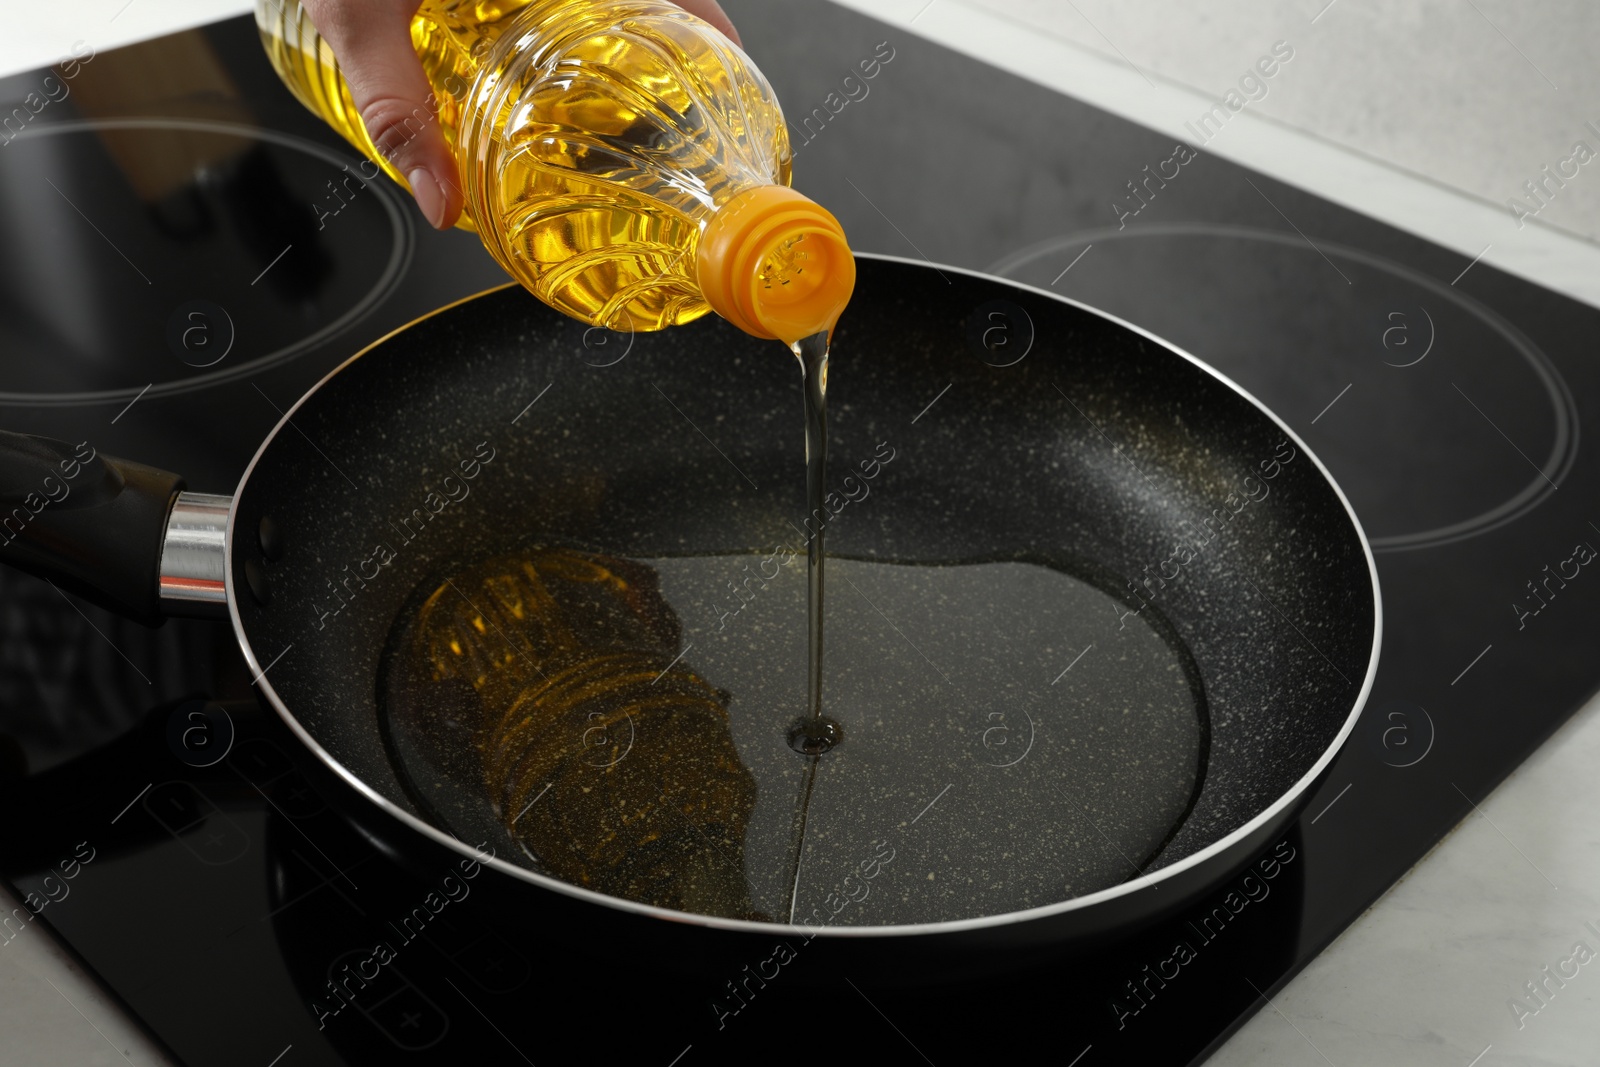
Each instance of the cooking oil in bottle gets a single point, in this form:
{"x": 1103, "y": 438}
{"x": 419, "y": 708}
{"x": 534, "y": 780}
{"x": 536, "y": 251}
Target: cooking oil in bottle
{"x": 622, "y": 159}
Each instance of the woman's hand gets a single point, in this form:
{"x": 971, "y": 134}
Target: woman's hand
{"x": 372, "y": 40}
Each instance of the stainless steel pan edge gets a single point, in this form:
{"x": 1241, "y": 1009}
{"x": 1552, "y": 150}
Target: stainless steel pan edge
{"x": 1271, "y": 814}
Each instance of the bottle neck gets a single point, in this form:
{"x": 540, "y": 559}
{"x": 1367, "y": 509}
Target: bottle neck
{"x": 776, "y": 264}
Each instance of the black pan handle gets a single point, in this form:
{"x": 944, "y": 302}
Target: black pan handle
{"x": 92, "y": 524}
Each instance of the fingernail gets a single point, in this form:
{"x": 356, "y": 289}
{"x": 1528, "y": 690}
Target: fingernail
{"x": 429, "y": 195}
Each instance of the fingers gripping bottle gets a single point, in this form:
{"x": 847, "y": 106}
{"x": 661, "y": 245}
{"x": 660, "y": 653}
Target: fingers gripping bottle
{"x": 622, "y": 159}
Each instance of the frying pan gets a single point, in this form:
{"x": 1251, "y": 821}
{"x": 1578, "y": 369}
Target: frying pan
{"x": 1027, "y": 431}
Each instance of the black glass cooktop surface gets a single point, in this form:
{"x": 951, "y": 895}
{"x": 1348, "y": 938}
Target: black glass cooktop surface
{"x": 181, "y": 263}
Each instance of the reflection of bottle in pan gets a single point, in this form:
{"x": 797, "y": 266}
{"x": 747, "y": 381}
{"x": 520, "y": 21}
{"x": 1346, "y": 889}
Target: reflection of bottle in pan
{"x": 605, "y": 755}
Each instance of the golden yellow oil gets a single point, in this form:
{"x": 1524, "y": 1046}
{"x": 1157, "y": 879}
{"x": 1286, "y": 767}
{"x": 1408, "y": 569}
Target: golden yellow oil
{"x": 552, "y": 680}
{"x": 593, "y": 138}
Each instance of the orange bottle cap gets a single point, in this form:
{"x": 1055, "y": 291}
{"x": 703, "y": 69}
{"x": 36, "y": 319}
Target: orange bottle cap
{"x": 776, "y": 264}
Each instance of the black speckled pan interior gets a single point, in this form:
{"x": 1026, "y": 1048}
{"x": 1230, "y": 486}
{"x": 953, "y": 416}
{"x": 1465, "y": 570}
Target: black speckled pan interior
{"x": 1024, "y": 429}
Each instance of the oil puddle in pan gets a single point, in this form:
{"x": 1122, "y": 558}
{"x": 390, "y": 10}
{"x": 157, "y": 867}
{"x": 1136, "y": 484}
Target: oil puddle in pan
{"x": 1006, "y": 735}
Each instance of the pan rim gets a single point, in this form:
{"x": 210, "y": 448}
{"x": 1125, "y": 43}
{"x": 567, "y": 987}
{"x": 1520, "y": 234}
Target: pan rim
{"x": 1151, "y": 879}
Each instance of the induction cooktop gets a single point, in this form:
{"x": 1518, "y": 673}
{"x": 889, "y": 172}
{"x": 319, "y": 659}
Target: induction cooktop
{"x": 184, "y": 256}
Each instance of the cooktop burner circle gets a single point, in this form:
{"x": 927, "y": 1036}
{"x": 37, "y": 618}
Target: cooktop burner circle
{"x": 1439, "y": 419}
{"x": 170, "y": 255}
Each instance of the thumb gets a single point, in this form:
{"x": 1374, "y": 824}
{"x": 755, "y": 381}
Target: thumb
{"x": 712, "y": 12}
{"x": 396, "y": 104}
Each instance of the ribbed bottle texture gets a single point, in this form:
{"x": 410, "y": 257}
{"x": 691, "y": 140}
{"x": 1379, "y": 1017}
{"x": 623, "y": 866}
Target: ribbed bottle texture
{"x": 595, "y": 139}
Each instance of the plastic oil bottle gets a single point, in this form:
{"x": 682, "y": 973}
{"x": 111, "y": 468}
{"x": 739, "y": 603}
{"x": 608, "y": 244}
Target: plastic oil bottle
{"x": 621, "y": 159}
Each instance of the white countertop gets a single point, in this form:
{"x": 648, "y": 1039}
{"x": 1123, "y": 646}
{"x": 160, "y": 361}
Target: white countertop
{"x": 1427, "y": 114}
